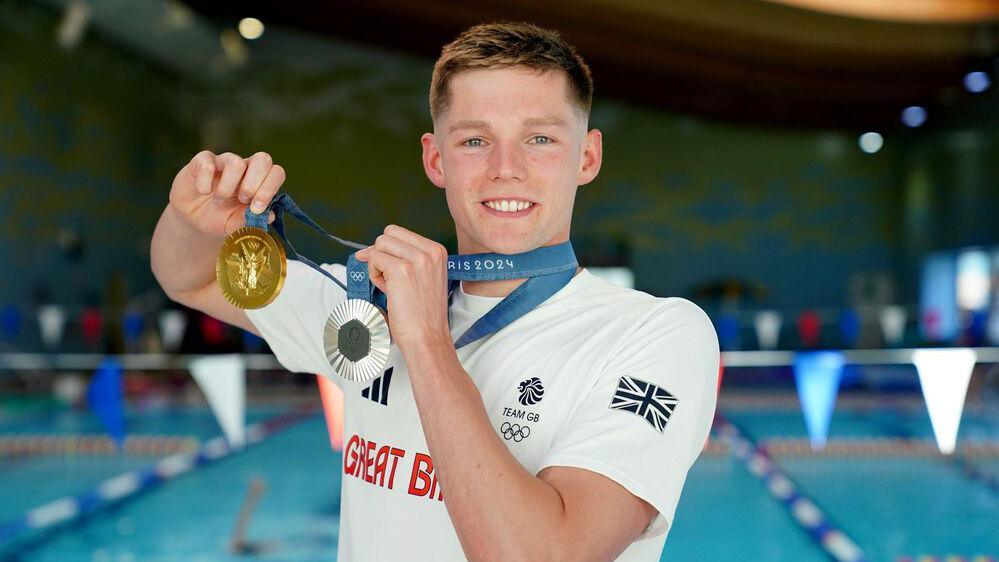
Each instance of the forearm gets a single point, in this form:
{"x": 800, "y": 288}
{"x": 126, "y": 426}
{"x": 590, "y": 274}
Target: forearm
{"x": 182, "y": 258}
{"x": 499, "y": 510}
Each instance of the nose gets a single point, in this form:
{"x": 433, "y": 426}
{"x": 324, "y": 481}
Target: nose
{"x": 506, "y": 162}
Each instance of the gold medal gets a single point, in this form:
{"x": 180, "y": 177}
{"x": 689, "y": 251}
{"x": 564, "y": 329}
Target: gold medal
{"x": 251, "y": 268}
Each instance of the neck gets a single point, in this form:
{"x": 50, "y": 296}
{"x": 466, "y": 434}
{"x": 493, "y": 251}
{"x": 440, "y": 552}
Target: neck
{"x": 494, "y": 288}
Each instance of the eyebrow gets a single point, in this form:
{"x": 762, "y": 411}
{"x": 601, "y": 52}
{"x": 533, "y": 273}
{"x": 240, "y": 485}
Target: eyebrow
{"x": 530, "y": 122}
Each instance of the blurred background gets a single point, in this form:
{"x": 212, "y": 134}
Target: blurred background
{"x": 820, "y": 176}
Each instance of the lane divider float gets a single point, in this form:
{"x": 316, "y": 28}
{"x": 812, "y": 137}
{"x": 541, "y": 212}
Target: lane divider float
{"x": 803, "y": 510}
{"x": 133, "y": 482}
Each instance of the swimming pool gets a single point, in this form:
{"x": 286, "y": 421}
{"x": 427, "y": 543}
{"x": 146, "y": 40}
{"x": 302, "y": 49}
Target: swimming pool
{"x": 891, "y": 506}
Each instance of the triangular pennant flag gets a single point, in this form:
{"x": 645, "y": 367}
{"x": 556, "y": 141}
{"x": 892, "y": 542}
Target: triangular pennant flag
{"x": 332, "y": 398}
{"x": 767, "y": 324}
{"x": 816, "y": 376}
{"x": 810, "y": 328}
{"x": 104, "y": 397}
{"x": 132, "y": 326}
{"x": 849, "y": 327}
{"x": 172, "y": 325}
{"x": 222, "y": 379}
{"x": 975, "y": 332}
{"x": 721, "y": 372}
{"x": 944, "y": 375}
{"x": 994, "y": 325}
{"x": 51, "y": 324}
{"x": 10, "y": 321}
{"x": 252, "y": 343}
{"x": 931, "y": 325}
{"x": 892, "y": 319}
{"x": 92, "y": 322}
{"x": 728, "y": 331}
{"x": 212, "y": 330}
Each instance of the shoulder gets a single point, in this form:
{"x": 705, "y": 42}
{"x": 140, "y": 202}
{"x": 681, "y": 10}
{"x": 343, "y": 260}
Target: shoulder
{"x": 639, "y": 309}
{"x": 639, "y": 329}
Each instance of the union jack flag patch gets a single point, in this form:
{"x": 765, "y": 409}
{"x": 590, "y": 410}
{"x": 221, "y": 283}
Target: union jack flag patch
{"x": 644, "y": 399}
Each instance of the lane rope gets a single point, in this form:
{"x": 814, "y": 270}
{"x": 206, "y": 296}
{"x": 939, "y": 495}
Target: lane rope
{"x": 134, "y": 482}
{"x": 803, "y": 510}
{"x": 94, "y": 444}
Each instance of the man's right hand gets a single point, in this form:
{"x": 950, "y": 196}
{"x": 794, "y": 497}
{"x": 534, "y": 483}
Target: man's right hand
{"x": 211, "y": 193}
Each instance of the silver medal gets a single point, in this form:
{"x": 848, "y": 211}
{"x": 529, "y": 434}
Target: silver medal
{"x": 357, "y": 340}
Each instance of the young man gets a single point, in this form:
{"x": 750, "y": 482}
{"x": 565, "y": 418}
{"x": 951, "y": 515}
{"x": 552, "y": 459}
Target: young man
{"x": 565, "y": 435}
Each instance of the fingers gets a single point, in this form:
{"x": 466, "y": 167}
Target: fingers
{"x": 380, "y": 262}
{"x": 258, "y": 167}
{"x": 203, "y": 169}
{"x": 432, "y": 249}
{"x": 232, "y": 167}
{"x": 268, "y": 188}
{"x": 395, "y": 247}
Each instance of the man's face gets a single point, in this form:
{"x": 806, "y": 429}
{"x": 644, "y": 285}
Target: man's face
{"x": 510, "y": 134}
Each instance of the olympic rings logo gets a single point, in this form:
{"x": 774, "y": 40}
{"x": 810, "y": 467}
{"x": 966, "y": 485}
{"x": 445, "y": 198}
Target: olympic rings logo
{"x": 356, "y": 275}
{"x": 515, "y": 431}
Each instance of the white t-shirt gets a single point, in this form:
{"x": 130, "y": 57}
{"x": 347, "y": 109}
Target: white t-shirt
{"x": 598, "y": 376}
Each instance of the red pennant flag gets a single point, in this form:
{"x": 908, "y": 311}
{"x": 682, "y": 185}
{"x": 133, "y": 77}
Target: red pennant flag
{"x": 93, "y": 325}
{"x": 212, "y": 330}
{"x": 809, "y": 328}
{"x": 721, "y": 371}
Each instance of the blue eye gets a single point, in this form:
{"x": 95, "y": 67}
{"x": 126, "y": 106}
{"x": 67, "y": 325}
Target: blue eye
{"x": 541, "y": 139}
{"x": 470, "y": 142}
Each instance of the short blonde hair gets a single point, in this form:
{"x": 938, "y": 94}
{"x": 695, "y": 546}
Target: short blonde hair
{"x": 503, "y": 44}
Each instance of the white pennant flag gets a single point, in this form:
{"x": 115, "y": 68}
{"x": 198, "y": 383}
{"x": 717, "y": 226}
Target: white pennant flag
{"x": 51, "y": 321}
{"x": 767, "y": 323}
{"x": 222, "y": 378}
{"x": 892, "y": 319}
{"x": 944, "y": 375}
{"x": 172, "y": 324}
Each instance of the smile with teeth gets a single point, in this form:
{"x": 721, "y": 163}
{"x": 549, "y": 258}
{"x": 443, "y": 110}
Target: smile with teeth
{"x": 508, "y": 206}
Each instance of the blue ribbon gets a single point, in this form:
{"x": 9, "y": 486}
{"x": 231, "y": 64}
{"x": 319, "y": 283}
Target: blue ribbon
{"x": 547, "y": 269}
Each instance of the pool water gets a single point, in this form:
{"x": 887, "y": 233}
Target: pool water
{"x": 890, "y": 506}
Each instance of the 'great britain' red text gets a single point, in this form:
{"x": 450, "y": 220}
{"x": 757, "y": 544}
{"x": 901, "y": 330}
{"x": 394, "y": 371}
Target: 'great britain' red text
{"x": 376, "y": 465}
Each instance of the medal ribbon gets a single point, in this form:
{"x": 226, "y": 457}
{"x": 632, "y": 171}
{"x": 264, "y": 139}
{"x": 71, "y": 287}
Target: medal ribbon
{"x": 547, "y": 269}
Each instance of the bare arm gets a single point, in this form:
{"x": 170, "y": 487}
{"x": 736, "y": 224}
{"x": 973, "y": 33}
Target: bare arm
{"x": 207, "y": 201}
{"x": 500, "y": 511}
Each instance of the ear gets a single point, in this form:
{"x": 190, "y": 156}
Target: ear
{"x": 432, "y": 160}
{"x": 593, "y": 154}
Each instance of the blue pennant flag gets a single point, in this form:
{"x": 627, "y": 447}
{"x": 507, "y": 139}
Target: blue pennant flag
{"x": 252, "y": 343}
{"x": 849, "y": 327}
{"x": 10, "y": 321}
{"x": 132, "y": 326}
{"x": 817, "y": 376}
{"x": 728, "y": 331}
{"x": 104, "y": 397}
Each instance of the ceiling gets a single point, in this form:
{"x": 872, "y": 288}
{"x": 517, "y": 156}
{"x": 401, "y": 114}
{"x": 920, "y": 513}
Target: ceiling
{"x": 791, "y": 63}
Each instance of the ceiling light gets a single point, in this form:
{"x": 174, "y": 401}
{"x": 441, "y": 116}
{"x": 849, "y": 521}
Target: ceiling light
{"x": 251, "y": 28}
{"x": 871, "y": 142}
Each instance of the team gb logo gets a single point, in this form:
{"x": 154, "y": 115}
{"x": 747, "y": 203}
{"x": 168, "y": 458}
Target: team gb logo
{"x": 531, "y": 391}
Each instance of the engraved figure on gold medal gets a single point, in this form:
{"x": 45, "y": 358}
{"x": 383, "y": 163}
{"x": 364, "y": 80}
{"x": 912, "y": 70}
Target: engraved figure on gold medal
{"x": 248, "y": 269}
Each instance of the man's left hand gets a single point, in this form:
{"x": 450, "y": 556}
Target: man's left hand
{"x": 412, "y": 272}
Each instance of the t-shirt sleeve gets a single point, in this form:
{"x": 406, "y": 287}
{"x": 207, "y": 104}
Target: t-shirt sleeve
{"x": 645, "y": 421}
{"x": 293, "y": 324}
